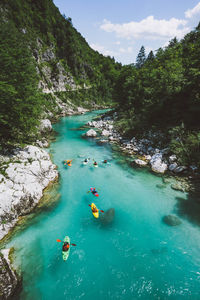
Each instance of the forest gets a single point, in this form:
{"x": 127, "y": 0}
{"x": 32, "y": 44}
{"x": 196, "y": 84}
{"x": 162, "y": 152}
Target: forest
{"x": 161, "y": 92}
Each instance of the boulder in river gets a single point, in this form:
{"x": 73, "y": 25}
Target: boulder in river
{"x": 108, "y": 216}
{"x": 171, "y": 220}
{"x": 91, "y": 133}
{"x": 140, "y": 162}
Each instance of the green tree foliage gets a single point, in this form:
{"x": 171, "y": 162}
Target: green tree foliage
{"x": 20, "y": 100}
{"x": 163, "y": 91}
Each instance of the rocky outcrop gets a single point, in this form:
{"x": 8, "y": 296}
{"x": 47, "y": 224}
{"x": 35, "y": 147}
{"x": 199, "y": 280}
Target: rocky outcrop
{"x": 45, "y": 125}
{"x": 24, "y": 175}
{"x": 10, "y": 282}
{"x": 160, "y": 160}
{"x": 171, "y": 220}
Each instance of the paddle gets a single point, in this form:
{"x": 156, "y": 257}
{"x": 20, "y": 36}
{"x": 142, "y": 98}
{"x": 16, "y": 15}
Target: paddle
{"x": 64, "y": 242}
{"x": 98, "y": 209}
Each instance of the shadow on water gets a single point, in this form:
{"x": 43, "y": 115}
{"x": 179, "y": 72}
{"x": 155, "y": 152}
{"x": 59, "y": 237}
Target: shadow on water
{"x": 32, "y": 273}
{"x": 190, "y": 208}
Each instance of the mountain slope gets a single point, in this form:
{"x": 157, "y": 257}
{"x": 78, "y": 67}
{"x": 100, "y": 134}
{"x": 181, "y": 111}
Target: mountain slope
{"x": 67, "y": 71}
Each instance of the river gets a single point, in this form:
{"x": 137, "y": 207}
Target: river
{"x": 136, "y": 256}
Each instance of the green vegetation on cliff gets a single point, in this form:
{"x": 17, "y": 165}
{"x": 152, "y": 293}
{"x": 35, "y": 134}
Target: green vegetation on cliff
{"x": 21, "y": 100}
{"x": 28, "y": 29}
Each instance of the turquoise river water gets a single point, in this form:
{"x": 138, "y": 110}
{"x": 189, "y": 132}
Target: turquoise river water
{"x": 136, "y": 256}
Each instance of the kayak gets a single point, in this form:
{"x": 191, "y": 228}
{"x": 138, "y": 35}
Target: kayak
{"x": 69, "y": 163}
{"x": 96, "y": 166}
{"x": 95, "y": 214}
{"x": 65, "y": 254}
{"x": 95, "y": 194}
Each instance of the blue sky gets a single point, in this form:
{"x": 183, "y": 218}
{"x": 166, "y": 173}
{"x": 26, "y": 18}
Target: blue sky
{"x": 120, "y": 27}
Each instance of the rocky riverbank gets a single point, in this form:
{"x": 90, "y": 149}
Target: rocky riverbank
{"x": 144, "y": 152}
{"x": 25, "y": 173}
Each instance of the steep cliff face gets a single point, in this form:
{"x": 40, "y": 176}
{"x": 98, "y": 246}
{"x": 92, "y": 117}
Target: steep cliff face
{"x": 9, "y": 280}
{"x": 53, "y": 76}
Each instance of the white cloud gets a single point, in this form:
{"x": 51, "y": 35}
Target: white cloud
{"x": 148, "y": 28}
{"x": 127, "y": 50}
{"x": 117, "y": 43}
{"x": 193, "y": 12}
{"x": 103, "y": 50}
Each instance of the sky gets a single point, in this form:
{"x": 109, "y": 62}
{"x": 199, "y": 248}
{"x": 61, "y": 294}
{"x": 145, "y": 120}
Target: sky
{"x": 119, "y": 28}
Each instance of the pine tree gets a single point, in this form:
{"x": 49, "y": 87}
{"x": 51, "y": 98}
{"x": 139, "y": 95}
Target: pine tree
{"x": 140, "y": 60}
{"x": 150, "y": 56}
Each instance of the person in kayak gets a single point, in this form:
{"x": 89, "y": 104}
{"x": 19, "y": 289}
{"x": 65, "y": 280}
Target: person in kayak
{"x": 65, "y": 247}
{"x": 94, "y": 210}
{"x": 95, "y": 163}
{"x": 94, "y": 191}
{"x": 105, "y": 161}
{"x": 69, "y": 162}
{"x": 86, "y": 160}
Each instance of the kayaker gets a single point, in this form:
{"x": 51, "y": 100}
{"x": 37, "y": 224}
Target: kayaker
{"x": 105, "y": 161}
{"x": 93, "y": 190}
{"x": 86, "y": 160}
{"x": 94, "y": 210}
{"x": 95, "y": 163}
{"x": 65, "y": 247}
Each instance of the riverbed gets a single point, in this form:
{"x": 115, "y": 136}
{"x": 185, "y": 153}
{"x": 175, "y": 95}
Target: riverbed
{"x": 133, "y": 255}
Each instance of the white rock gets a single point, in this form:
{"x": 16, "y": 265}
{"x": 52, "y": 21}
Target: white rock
{"x": 156, "y": 163}
{"x": 45, "y": 125}
{"x": 156, "y": 157}
{"x": 23, "y": 185}
{"x": 105, "y": 133}
{"x": 140, "y": 162}
{"x": 159, "y": 167}
{"x": 172, "y": 158}
{"x": 91, "y": 133}
{"x": 135, "y": 149}
{"x": 147, "y": 157}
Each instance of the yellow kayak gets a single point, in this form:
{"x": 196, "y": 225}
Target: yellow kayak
{"x": 95, "y": 213}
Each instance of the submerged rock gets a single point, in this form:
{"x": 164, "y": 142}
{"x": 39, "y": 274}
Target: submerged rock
{"x": 108, "y": 216}
{"x": 178, "y": 187}
{"x": 161, "y": 186}
{"x": 171, "y": 220}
